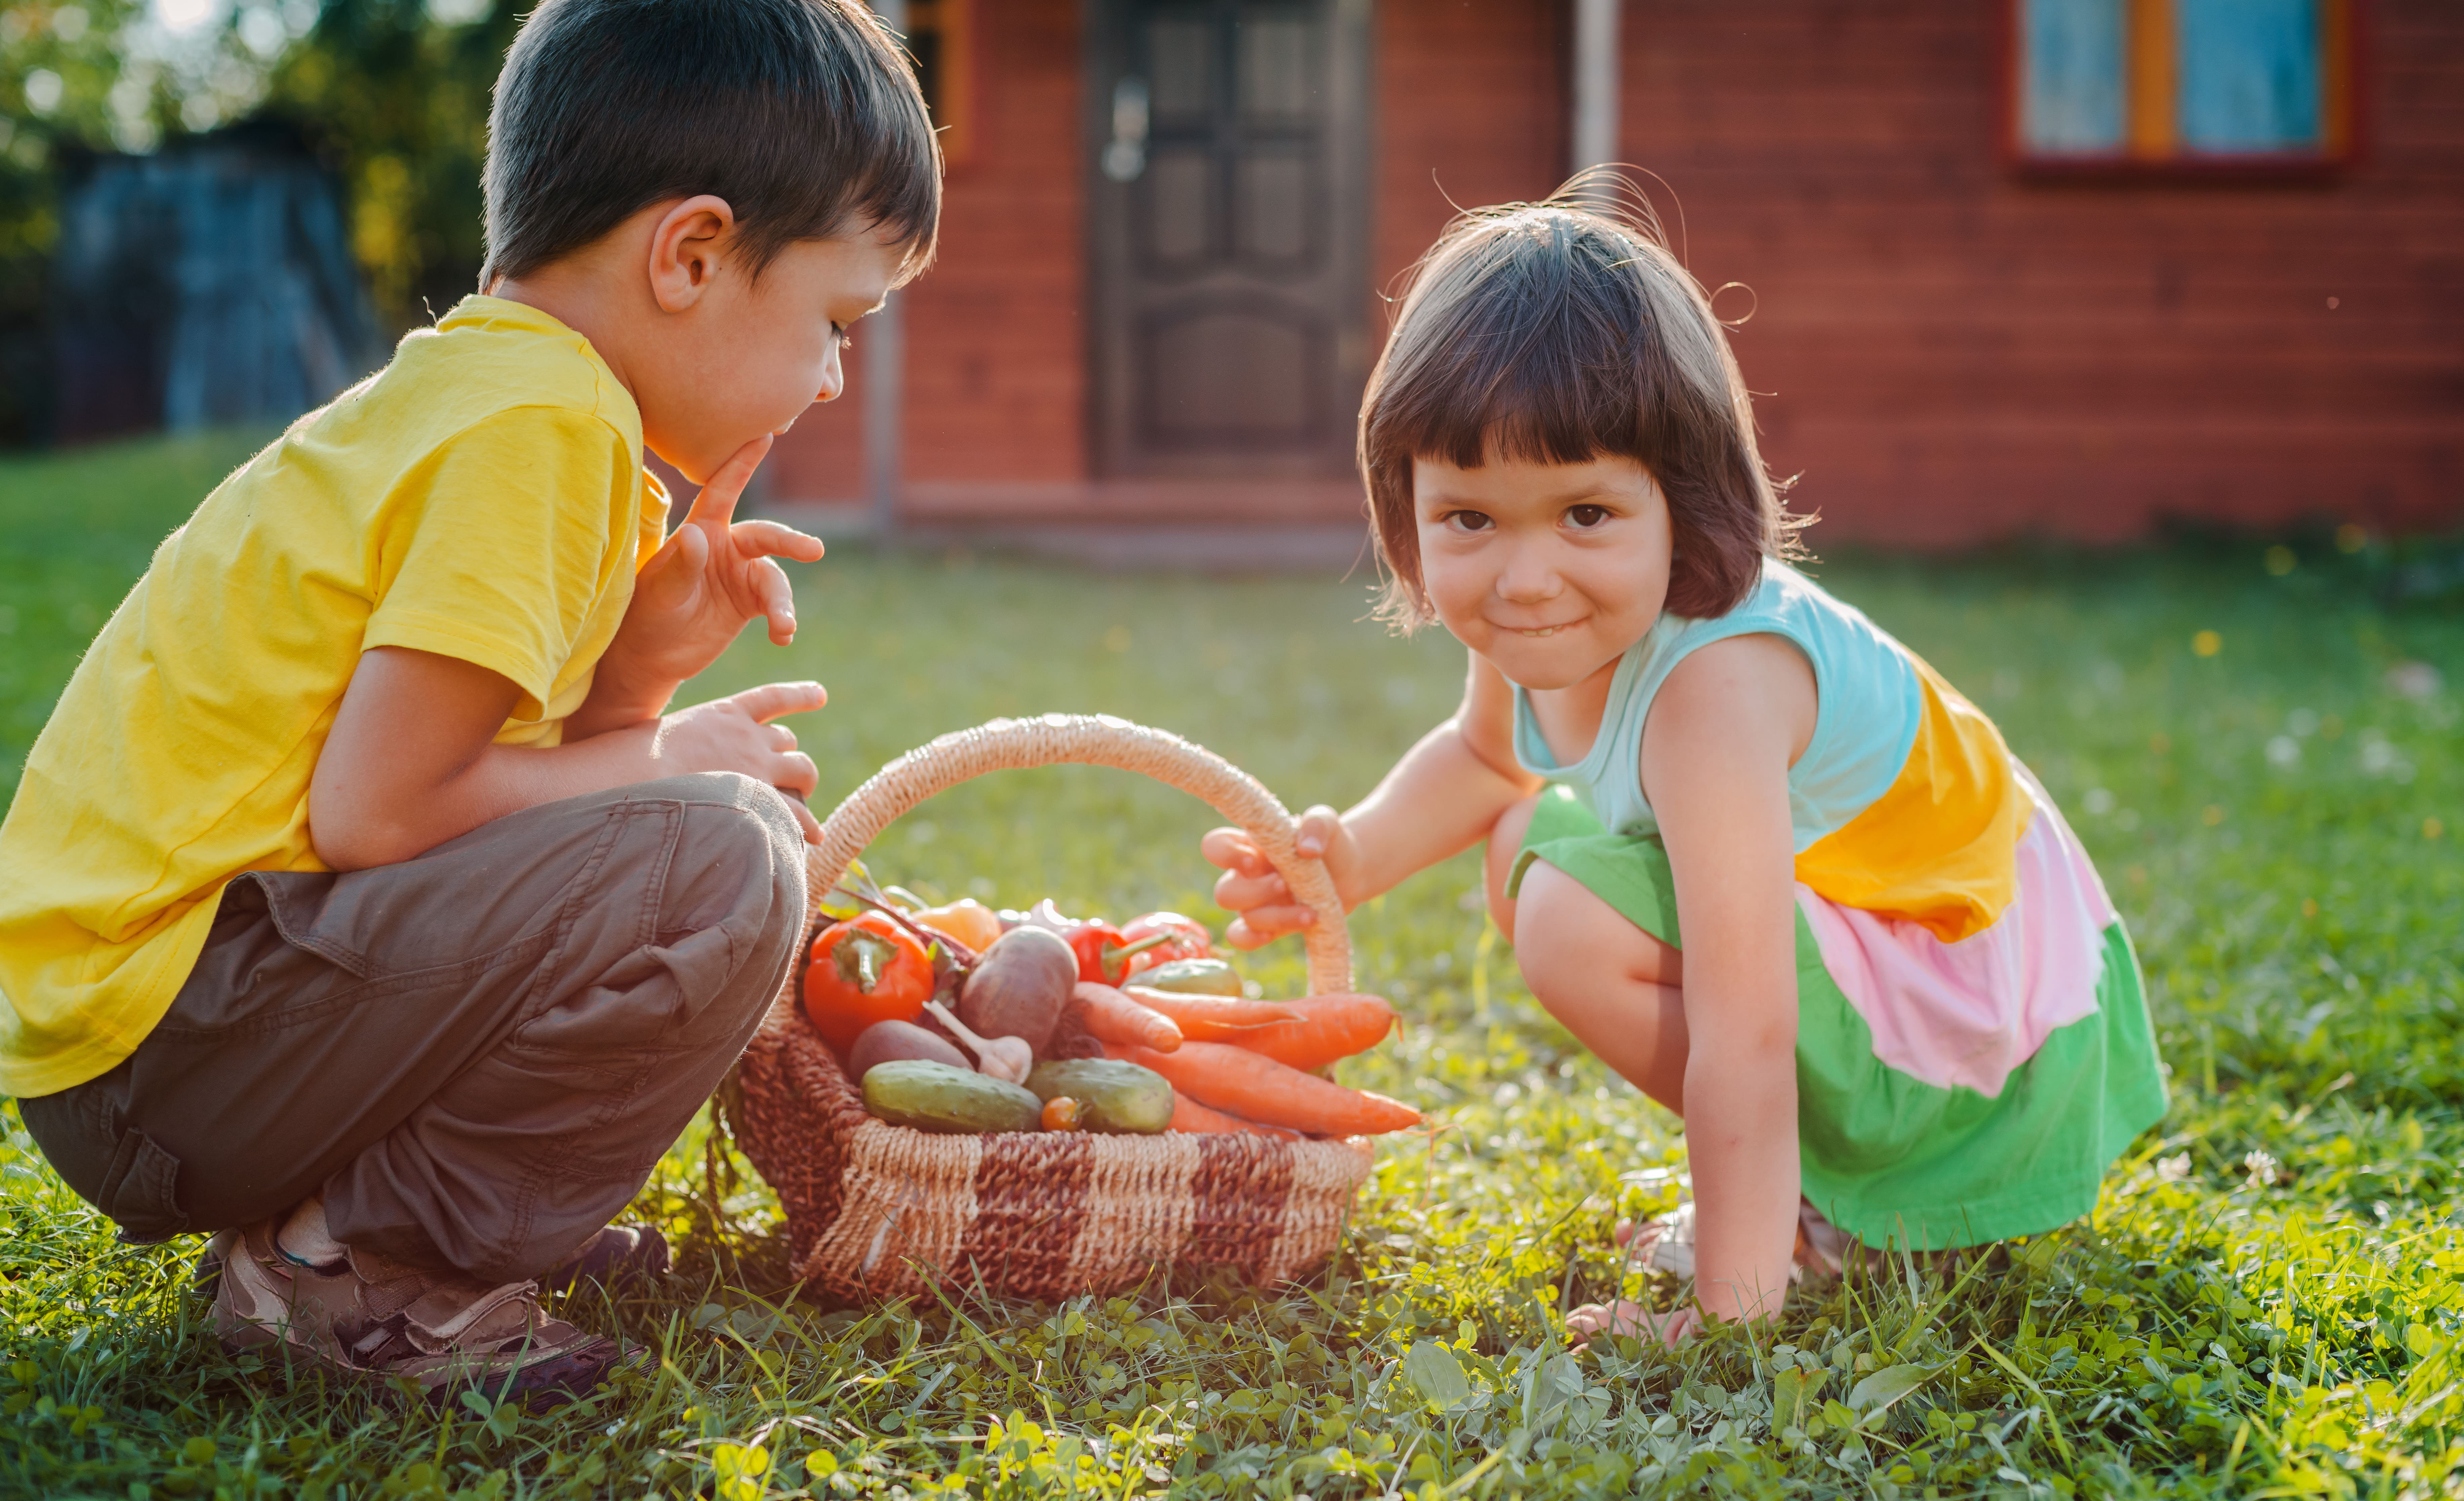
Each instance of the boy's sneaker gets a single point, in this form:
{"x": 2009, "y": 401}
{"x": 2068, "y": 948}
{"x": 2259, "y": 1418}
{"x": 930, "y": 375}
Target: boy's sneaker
{"x": 616, "y": 1255}
{"x": 288, "y": 1286}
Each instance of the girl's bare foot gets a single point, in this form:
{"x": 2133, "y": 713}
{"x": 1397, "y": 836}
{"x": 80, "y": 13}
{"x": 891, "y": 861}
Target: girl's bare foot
{"x": 1629, "y": 1319}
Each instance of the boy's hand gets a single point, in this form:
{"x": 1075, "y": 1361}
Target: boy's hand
{"x": 1255, "y": 893}
{"x": 735, "y": 734}
{"x": 695, "y": 595}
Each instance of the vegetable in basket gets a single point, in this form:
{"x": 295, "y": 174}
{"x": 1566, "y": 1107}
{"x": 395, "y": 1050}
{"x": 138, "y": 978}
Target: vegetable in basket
{"x": 1196, "y": 977}
{"x": 1321, "y": 1030}
{"x": 969, "y": 921}
{"x": 1213, "y": 1018}
{"x": 1261, "y": 1090}
{"x": 1109, "y": 1016}
{"x": 884, "y": 1042}
{"x": 1184, "y": 939}
{"x": 864, "y": 970}
{"x": 1112, "y": 1095}
{"x": 1019, "y": 987}
{"x": 933, "y": 1096}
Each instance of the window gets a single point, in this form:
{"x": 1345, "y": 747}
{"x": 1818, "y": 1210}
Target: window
{"x": 2181, "y": 86}
{"x": 940, "y": 37}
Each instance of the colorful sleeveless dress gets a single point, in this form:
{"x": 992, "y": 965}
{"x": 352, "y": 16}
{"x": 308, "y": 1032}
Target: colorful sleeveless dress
{"x": 1974, "y": 1046}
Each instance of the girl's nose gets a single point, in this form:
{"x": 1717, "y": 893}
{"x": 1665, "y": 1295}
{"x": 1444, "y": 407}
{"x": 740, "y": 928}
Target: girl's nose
{"x": 1528, "y": 578}
{"x": 833, "y": 378}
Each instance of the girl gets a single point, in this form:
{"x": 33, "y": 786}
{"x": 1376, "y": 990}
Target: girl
{"x": 1788, "y": 882}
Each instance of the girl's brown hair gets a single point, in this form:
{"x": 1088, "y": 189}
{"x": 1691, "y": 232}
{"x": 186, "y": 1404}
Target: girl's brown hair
{"x": 1555, "y": 332}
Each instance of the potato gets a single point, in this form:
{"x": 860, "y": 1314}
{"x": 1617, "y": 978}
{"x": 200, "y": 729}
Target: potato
{"x": 1027, "y": 977}
{"x": 885, "y": 1041}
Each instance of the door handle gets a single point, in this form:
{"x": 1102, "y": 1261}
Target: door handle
{"x": 1125, "y": 155}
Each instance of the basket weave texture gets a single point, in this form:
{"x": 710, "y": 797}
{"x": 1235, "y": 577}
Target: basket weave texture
{"x": 876, "y": 1210}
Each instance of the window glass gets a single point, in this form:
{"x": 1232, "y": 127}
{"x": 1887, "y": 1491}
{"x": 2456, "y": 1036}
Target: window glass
{"x": 2072, "y": 82}
{"x": 2249, "y": 75}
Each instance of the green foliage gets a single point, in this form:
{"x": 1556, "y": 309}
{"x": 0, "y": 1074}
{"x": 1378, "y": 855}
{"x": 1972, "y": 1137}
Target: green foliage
{"x": 399, "y": 103}
{"x": 2265, "y": 1303}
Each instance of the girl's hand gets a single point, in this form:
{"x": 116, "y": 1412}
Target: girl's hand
{"x": 1634, "y": 1321}
{"x": 1264, "y": 907}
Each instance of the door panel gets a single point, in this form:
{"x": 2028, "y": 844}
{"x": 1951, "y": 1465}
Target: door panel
{"x": 1228, "y": 233}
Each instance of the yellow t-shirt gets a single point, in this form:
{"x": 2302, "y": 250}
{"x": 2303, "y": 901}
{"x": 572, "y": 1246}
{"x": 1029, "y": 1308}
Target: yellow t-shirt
{"x": 482, "y": 498}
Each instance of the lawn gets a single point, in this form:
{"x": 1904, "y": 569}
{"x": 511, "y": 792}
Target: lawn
{"x": 2262, "y": 756}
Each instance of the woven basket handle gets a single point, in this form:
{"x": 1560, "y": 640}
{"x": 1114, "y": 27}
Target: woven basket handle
{"x": 1094, "y": 741}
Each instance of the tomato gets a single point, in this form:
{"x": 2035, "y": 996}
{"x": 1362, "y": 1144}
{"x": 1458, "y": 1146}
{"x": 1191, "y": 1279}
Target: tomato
{"x": 864, "y": 970}
{"x": 1184, "y": 938}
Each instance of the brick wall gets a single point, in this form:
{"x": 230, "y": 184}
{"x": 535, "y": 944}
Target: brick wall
{"x": 1954, "y": 354}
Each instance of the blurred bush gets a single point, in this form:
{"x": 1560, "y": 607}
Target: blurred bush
{"x": 392, "y": 95}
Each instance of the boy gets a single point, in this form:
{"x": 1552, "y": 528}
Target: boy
{"x": 362, "y": 901}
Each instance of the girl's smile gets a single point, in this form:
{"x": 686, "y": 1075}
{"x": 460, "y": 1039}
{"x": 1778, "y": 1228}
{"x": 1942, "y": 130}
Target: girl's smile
{"x": 1550, "y": 571}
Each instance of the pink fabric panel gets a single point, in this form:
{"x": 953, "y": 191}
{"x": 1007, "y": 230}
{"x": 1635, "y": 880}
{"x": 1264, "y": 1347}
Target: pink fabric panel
{"x": 1968, "y": 1013}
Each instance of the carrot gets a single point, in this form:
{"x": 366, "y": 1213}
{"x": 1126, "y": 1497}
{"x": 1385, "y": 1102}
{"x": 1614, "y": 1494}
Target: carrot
{"x": 1326, "y": 1028}
{"x": 1260, "y": 1089}
{"x": 1111, "y": 1017}
{"x": 1187, "y": 1114}
{"x": 1211, "y": 1018}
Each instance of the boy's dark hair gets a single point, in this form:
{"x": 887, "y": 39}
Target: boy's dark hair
{"x": 1556, "y": 333}
{"x": 802, "y": 114}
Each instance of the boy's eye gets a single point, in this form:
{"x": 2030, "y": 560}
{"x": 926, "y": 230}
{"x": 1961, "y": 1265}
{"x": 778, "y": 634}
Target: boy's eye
{"x": 1586, "y": 517}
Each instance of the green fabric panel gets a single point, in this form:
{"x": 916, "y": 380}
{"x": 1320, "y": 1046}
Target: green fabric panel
{"x": 1889, "y": 1157}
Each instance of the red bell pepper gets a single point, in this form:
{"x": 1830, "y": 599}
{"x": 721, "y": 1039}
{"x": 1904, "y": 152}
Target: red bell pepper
{"x": 1184, "y": 938}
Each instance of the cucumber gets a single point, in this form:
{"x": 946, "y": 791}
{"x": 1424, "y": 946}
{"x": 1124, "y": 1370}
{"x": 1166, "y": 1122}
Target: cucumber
{"x": 1191, "y": 976}
{"x": 934, "y": 1096}
{"x": 1112, "y": 1095}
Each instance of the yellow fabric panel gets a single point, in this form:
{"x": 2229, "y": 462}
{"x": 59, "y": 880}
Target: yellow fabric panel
{"x": 482, "y": 498}
{"x": 1939, "y": 849}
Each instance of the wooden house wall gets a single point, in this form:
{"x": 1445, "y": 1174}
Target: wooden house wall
{"x": 1950, "y": 352}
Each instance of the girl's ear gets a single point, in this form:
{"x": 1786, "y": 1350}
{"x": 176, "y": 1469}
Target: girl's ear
{"x": 687, "y": 246}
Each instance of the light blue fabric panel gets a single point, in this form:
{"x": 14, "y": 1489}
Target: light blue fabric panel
{"x": 2071, "y": 76}
{"x": 1863, "y": 727}
{"x": 2249, "y": 74}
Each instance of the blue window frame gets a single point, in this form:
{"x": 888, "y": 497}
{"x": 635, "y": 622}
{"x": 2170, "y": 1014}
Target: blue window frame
{"x": 2176, "y": 84}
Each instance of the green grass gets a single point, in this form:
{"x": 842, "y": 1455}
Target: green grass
{"x": 2266, "y": 1302}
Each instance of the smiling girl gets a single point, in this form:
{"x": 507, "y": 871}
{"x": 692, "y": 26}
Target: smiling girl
{"x": 1749, "y": 849}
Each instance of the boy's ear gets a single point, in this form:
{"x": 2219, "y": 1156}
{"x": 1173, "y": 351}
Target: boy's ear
{"x": 687, "y": 247}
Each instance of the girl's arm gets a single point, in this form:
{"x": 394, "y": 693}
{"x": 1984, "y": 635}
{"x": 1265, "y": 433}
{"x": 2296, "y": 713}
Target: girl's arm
{"x": 1715, "y": 759}
{"x": 1440, "y": 799}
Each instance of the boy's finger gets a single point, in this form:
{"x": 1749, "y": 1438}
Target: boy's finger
{"x": 775, "y": 539}
{"x": 805, "y": 816}
{"x": 715, "y": 504}
{"x": 770, "y": 700}
{"x": 797, "y": 776}
{"x": 777, "y": 598}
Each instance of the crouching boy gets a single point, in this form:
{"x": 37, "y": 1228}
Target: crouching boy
{"x": 362, "y": 902}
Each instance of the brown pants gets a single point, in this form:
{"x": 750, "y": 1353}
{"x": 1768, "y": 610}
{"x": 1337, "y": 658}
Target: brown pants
{"x": 478, "y": 1055}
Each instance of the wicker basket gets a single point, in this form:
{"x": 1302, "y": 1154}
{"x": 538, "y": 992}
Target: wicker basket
{"x": 876, "y": 1210}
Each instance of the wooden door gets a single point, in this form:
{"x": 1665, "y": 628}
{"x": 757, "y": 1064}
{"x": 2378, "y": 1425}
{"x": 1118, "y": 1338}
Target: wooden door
{"x": 1229, "y": 168}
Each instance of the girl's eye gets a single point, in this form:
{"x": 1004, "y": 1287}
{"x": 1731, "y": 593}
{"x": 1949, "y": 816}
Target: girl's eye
{"x": 839, "y": 332}
{"x": 1469, "y": 520}
{"x": 1586, "y": 517}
